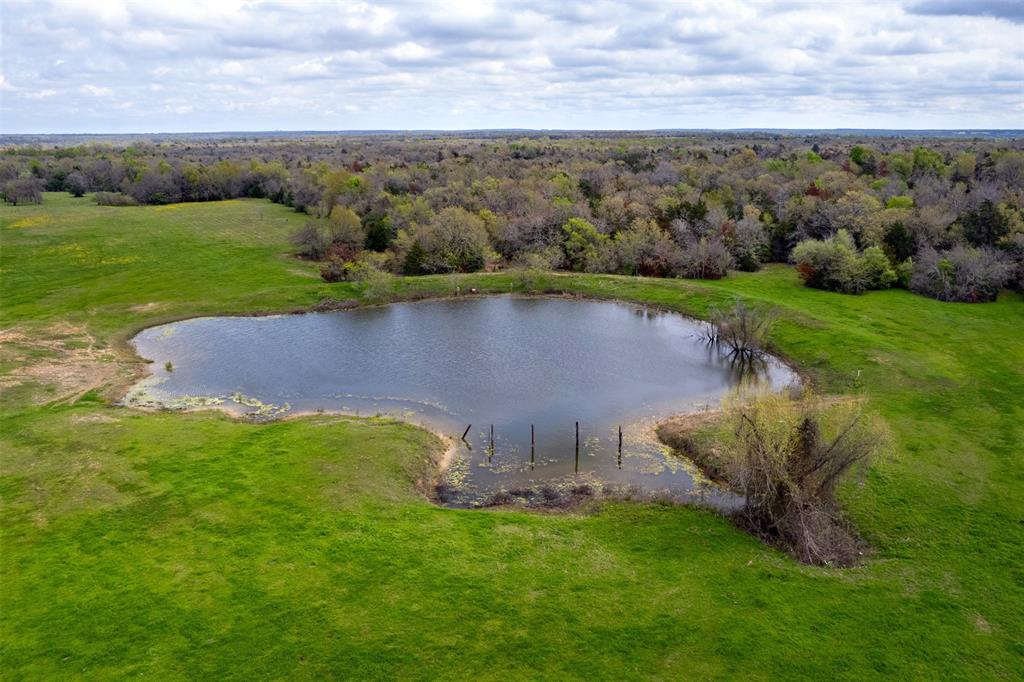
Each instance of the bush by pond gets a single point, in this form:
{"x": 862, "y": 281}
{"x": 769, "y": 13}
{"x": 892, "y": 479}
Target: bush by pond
{"x": 787, "y": 457}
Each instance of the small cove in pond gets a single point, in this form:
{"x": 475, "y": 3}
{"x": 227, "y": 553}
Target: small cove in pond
{"x": 508, "y": 361}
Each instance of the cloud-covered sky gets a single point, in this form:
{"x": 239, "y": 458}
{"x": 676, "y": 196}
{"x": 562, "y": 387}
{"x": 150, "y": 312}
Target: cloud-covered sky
{"x": 214, "y": 65}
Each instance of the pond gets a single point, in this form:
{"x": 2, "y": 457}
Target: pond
{"x": 525, "y": 369}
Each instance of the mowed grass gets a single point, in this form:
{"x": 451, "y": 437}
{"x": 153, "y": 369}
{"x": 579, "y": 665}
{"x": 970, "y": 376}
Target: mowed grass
{"x": 193, "y": 545}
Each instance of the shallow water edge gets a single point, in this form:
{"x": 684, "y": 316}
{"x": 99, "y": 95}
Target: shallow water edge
{"x": 502, "y": 363}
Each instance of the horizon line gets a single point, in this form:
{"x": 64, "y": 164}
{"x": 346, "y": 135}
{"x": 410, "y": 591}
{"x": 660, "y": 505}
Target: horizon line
{"x": 510, "y": 129}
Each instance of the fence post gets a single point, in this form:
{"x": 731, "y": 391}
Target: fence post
{"x": 577, "y": 469}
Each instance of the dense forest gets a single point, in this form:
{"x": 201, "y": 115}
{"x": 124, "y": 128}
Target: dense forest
{"x": 942, "y": 217}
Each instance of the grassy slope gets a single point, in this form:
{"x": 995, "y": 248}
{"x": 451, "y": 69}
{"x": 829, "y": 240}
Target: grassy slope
{"x": 193, "y": 545}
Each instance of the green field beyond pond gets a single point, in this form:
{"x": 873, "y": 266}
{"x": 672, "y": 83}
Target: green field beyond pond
{"x": 192, "y": 545}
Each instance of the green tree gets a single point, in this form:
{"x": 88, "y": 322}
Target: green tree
{"x": 984, "y": 225}
{"x": 345, "y": 227}
{"x": 455, "y": 240}
{"x": 900, "y": 202}
{"x": 580, "y": 243}
{"x": 377, "y": 229}
{"x": 415, "y": 260}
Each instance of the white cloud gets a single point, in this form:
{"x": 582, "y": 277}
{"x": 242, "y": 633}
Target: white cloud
{"x": 95, "y": 90}
{"x": 249, "y": 64}
{"x": 409, "y": 52}
{"x": 40, "y": 94}
{"x": 149, "y": 40}
{"x": 310, "y": 67}
{"x": 232, "y": 68}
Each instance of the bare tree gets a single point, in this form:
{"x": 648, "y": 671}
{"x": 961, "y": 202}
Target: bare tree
{"x": 23, "y": 191}
{"x": 787, "y": 459}
{"x": 743, "y": 330}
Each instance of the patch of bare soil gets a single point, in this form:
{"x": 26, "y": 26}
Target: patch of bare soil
{"x": 150, "y": 307}
{"x": 63, "y": 358}
{"x": 684, "y": 423}
{"x": 676, "y": 432}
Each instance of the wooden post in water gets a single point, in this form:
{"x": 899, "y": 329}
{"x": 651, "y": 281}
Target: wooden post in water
{"x": 620, "y": 446}
{"x": 577, "y": 470}
{"x": 532, "y": 451}
{"x": 492, "y": 443}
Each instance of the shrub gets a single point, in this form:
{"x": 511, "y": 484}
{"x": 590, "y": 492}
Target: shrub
{"x": 904, "y": 270}
{"x": 963, "y": 274}
{"x": 338, "y": 258}
{"x": 311, "y": 240}
{"x": 345, "y": 228}
{"x": 376, "y": 283}
{"x": 1014, "y": 247}
{"x": 335, "y": 270}
{"x": 23, "y": 191}
{"x": 836, "y": 265}
{"x": 878, "y": 271}
{"x": 76, "y": 184}
{"x": 344, "y": 264}
{"x": 531, "y": 279}
{"x": 643, "y": 249}
{"x": 455, "y": 240}
{"x": 154, "y": 186}
{"x": 748, "y": 241}
{"x": 545, "y": 259}
{"x": 114, "y": 199}
{"x": 831, "y": 264}
{"x": 787, "y": 458}
{"x": 705, "y": 258}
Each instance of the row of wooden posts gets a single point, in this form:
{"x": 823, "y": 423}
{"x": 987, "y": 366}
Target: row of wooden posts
{"x": 490, "y": 449}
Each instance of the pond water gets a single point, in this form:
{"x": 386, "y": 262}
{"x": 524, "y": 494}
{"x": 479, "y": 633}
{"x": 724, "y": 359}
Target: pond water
{"x": 523, "y": 365}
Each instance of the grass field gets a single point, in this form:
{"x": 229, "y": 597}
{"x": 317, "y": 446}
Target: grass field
{"x": 192, "y": 545}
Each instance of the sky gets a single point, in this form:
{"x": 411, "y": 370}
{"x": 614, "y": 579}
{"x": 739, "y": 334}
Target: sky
{"x": 109, "y": 66}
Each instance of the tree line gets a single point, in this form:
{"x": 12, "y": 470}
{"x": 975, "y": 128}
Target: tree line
{"x": 942, "y": 217}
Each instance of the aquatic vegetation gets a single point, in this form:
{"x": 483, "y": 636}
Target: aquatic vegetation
{"x": 260, "y": 409}
{"x": 504, "y": 372}
{"x": 194, "y": 401}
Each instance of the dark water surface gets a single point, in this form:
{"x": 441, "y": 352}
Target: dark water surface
{"x": 507, "y": 361}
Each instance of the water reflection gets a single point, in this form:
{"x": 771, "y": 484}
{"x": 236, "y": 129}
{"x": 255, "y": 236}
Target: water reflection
{"x": 508, "y": 378}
